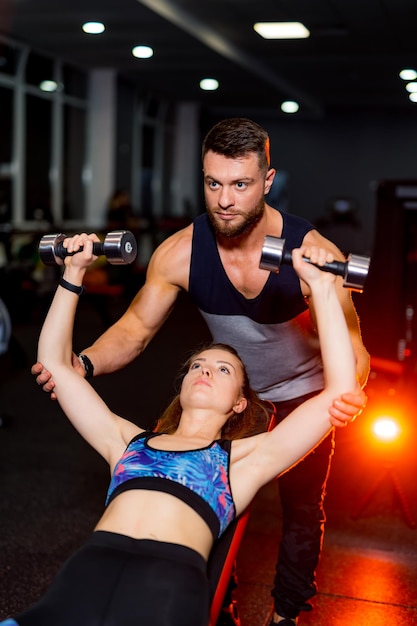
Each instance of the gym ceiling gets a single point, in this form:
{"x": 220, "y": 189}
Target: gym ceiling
{"x": 351, "y": 60}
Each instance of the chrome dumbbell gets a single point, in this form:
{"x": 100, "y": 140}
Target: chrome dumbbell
{"x": 354, "y": 270}
{"x": 119, "y": 247}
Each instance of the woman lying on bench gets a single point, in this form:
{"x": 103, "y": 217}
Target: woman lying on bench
{"x": 174, "y": 491}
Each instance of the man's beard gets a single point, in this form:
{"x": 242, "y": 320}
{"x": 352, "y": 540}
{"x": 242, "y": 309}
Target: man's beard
{"x": 245, "y": 225}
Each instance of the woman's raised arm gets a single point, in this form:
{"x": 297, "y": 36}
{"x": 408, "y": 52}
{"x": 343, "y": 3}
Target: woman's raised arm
{"x": 102, "y": 429}
{"x": 272, "y": 453}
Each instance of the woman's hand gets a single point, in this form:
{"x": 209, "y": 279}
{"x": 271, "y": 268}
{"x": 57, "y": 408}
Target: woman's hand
{"x": 82, "y": 259}
{"x": 308, "y": 272}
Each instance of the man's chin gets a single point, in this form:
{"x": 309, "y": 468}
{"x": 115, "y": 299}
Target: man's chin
{"x": 227, "y": 228}
{"x": 234, "y": 231}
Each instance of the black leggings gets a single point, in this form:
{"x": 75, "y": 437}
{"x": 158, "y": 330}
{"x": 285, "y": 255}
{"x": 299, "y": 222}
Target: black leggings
{"x": 115, "y": 580}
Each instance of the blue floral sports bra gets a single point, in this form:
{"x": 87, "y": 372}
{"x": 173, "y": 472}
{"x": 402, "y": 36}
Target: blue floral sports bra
{"x": 200, "y": 478}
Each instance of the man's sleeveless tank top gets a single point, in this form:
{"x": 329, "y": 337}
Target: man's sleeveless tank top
{"x": 273, "y": 332}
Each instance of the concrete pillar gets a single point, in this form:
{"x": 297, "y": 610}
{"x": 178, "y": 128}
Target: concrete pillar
{"x": 100, "y": 171}
{"x": 187, "y": 160}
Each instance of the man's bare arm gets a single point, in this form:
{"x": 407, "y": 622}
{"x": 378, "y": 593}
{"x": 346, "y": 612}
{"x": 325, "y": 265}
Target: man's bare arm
{"x": 167, "y": 274}
{"x": 120, "y": 344}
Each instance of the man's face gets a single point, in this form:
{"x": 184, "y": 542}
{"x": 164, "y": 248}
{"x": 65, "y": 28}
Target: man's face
{"x": 234, "y": 192}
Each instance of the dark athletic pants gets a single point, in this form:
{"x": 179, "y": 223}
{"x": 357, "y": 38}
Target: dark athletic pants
{"x": 115, "y": 580}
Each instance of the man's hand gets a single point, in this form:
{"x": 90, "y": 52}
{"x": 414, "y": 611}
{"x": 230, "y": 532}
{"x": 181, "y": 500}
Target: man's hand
{"x": 44, "y": 378}
{"x": 346, "y": 408}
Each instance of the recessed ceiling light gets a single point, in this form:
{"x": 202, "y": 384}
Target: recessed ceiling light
{"x": 408, "y": 74}
{"x": 209, "y": 84}
{"x": 142, "y": 52}
{"x": 411, "y": 87}
{"x": 281, "y": 30}
{"x": 93, "y": 28}
{"x": 413, "y": 97}
{"x": 289, "y": 106}
{"x": 48, "y": 85}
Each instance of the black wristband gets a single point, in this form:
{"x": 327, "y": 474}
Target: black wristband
{"x": 88, "y": 366}
{"x": 70, "y": 287}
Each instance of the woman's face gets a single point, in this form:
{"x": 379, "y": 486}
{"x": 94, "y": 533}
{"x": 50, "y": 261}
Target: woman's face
{"x": 214, "y": 381}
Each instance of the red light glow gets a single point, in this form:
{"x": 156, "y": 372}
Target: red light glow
{"x": 386, "y": 429}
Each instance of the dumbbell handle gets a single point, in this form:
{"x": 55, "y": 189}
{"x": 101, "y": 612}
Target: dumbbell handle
{"x": 334, "y": 267}
{"x": 62, "y": 252}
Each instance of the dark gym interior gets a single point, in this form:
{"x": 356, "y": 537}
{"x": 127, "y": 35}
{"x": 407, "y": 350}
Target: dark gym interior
{"x": 346, "y": 162}
{"x": 53, "y": 484}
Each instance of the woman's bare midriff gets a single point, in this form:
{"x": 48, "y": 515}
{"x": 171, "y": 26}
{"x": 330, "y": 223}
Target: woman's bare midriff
{"x": 159, "y": 516}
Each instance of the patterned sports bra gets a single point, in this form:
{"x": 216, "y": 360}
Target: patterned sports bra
{"x": 200, "y": 478}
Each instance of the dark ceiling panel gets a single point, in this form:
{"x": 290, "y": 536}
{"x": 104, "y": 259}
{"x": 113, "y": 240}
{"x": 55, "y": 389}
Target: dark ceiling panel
{"x": 351, "y": 59}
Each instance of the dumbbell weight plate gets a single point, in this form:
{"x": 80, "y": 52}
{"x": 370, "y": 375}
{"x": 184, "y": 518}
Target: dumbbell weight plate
{"x": 120, "y": 247}
{"x": 357, "y": 269}
{"x": 47, "y": 247}
{"x": 272, "y": 252}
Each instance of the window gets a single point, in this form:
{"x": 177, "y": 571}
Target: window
{"x": 38, "y": 159}
{"x": 75, "y": 82}
{"x": 73, "y": 163}
{"x": 38, "y": 69}
{"x": 44, "y": 134}
{"x": 9, "y": 57}
{"x": 6, "y": 104}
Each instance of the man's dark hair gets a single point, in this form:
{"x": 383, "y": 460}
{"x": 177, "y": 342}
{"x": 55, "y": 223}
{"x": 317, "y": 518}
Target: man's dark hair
{"x": 237, "y": 137}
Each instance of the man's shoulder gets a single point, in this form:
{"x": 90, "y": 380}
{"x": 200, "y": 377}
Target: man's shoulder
{"x": 171, "y": 259}
{"x": 178, "y": 243}
{"x": 292, "y": 221}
